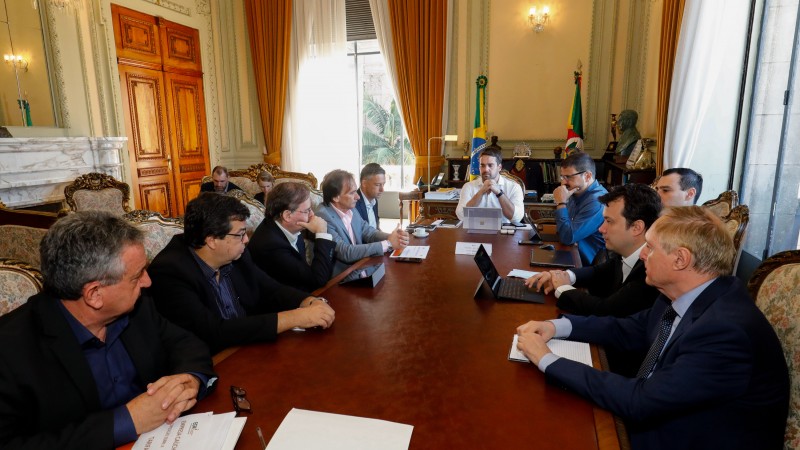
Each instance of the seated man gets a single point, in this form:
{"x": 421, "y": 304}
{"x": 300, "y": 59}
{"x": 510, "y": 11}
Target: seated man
{"x": 578, "y": 211}
{"x": 373, "y": 177}
{"x": 354, "y": 237}
{"x": 715, "y": 375}
{"x": 205, "y": 281}
{"x": 616, "y": 286}
{"x": 492, "y": 190}
{"x": 277, "y": 244}
{"x": 265, "y": 182}
{"x": 89, "y": 363}
{"x": 679, "y": 187}
{"x": 219, "y": 183}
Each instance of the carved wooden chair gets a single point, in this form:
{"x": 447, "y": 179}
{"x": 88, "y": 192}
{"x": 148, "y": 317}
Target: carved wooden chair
{"x": 158, "y": 230}
{"x": 775, "y": 287}
{"x": 722, "y": 205}
{"x": 98, "y": 191}
{"x": 514, "y": 178}
{"x": 21, "y": 232}
{"x": 246, "y": 179}
{"x": 18, "y": 282}
{"x": 256, "y": 208}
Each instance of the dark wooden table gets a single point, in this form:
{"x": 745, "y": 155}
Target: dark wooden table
{"x": 419, "y": 349}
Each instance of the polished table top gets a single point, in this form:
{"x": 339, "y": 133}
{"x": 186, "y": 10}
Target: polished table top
{"x": 419, "y": 349}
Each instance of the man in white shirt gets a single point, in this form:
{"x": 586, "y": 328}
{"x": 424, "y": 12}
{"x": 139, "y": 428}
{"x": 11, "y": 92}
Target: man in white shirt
{"x": 373, "y": 178}
{"x": 491, "y": 190}
{"x": 354, "y": 237}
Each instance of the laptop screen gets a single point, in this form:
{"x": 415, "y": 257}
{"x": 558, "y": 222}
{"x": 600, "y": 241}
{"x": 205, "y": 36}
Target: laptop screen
{"x": 484, "y": 219}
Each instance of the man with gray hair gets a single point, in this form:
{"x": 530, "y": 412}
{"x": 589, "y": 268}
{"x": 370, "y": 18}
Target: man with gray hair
{"x": 92, "y": 363}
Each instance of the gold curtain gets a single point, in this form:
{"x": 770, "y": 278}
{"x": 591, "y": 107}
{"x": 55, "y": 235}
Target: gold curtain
{"x": 670, "y": 31}
{"x": 418, "y": 31}
{"x": 270, "y": 26}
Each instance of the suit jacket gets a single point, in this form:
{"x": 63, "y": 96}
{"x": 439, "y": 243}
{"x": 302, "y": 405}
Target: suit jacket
{"x": 367, "y": 243}
{"x": 721, "y": 381}
{"x": 48, "y": 396}
{"x": 361, "y": 207}
{"x": 273, "y": 253}
{"x": 208, "y": 186}
{"x": 261, "y": 198}
{"x": 608, "y": 295}
{"x": 185, "y": 297}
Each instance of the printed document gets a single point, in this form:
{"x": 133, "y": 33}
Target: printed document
{"x": 576, "y": 351}
{"x": 470, "y": 248}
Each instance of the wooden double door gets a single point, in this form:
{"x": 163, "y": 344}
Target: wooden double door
{"x": 161, "y": 80}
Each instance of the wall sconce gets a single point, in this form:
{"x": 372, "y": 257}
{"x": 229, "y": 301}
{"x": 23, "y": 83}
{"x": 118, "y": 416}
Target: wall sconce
{"x": 538, "y": 20}
{"x": 445, "y": 138}
{"x": 17, "y": 61}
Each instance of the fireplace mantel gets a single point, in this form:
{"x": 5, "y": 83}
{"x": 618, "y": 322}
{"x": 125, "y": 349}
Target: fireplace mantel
{"x": 35, "y": 170}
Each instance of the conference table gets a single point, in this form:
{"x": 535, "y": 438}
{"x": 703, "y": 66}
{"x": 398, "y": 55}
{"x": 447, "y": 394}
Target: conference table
{"x": 420, "y": 348}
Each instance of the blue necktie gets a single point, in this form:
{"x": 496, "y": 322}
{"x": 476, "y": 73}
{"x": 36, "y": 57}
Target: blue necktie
{"x": 301, "y": 246}
{"x": 655, "y": 350}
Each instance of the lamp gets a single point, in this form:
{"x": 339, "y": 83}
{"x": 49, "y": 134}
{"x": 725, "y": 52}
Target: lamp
{"x": 17, "y": 61}
{"x": 445, "y": 138}
{"x": 538, "y": 20}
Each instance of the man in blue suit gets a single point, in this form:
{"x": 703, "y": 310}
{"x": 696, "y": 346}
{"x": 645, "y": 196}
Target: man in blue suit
{"x": 714, "y": 376}
{"x": 373, "y": 178}
{"x": 354, "y": 237}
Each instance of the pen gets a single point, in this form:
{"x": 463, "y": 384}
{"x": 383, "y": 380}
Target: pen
{"x": 261, "y": 438}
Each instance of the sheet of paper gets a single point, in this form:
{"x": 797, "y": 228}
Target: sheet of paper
{"x": 576, "y": 351}
{"x": 412, "y": 251}
{"x": 310, "y": 430}
{"x": 234, "y": 432}
{"x": 519, "y": 273}
{"x": 437, "y": 222}
{"x": 193, "y": 432}
{"x": 470, "y": 248}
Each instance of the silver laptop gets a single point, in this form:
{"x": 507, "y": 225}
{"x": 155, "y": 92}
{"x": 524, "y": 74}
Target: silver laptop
{"x": 482, "y": 220}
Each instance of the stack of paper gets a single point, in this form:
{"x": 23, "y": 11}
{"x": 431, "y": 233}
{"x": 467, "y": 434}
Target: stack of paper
{"x": 204, "y": 431}
{"x": 442, "y": 194}
{"x": 576, "y": 351}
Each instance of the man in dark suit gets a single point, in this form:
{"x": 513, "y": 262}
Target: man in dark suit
{"x": 278, "y": 245}
{"x": 373, "y": 177}
{"x": 205, "y": 281}
{"x": 715, "y": 374}
{"x": 89, "y": 364}
{"x": 616, "y": 287}
{"x": 354, "y": 237}
{"x": 219, "y": 182}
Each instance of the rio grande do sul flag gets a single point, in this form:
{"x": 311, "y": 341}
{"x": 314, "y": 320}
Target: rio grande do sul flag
{"x": 575, "y": 124}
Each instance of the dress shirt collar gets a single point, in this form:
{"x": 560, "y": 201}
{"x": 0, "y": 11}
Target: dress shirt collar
{"x": 343, "y": 215}
{"x": 292, "y": 237}
{"x": 85, "y": 337}
{"x": 682, "y": 303}
{"x": 629, "y": 261}
{"x": 207, "y": 270}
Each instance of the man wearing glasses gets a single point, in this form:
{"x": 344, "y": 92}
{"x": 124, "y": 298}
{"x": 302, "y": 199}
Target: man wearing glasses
{"x": 205, "y": 281}
{"x": 278, "y": 246}
{"x": 579, "y": 213}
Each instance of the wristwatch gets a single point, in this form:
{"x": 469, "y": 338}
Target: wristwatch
{"x": 499, "y": 194}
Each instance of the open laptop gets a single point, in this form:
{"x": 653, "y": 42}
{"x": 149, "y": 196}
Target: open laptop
{"x": 548, "y": 237}
{"x": 482, "y": 220}
{"x": 504, "y": 288}
{"x": 552, "y": 258}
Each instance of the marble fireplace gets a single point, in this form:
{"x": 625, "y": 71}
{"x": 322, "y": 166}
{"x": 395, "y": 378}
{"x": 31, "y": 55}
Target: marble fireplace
{"x": 34, "y": 171}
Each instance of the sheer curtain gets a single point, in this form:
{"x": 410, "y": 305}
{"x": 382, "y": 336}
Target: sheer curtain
{"x": 698, "y": 65}
{"x": 383, "y": 31}
{"x": 320, "y": 125}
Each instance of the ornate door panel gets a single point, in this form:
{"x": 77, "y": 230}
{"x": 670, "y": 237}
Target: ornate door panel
{"x": 187, "y": 118}
{"x": 146, "y": 124}
{"x": 137, "y": 37}
{"x": 180, "y": 47}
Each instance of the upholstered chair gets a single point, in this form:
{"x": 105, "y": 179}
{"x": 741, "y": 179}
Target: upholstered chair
{"x": 18, "y": 282}
{"x": 722, "y": 205}
{"x": 97, "y": 191}
{"x": 256, "y": 208}
{"x": 157, "y": 229}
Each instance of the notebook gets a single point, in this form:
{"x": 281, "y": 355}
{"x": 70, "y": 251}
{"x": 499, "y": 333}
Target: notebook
{"x": 551, "y": 258}
{"x": 504, "y": 288}
{"x": 482, "y": 220}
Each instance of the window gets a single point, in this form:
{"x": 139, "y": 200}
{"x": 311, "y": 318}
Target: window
{"x": 382, "y": 137}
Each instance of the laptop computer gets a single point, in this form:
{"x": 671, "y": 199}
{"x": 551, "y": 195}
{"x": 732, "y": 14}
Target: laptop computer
{"x": 504, "y": 288}
{"x": 552, "y": 258}
{"x": 536, "y": 236}
{"x": 482, "y": 220}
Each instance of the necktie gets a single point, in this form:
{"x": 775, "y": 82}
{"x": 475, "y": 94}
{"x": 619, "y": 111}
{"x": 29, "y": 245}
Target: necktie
{"x": 655, "y": 349}
{"x": 301, "y": 246}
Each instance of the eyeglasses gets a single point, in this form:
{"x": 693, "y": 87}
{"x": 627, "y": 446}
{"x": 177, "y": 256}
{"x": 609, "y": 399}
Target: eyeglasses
{"x": 239, "y": 235}
{"x": 303, "y": 211}
{"x": 240, "y": 401}
{"x": 567, "y": 177}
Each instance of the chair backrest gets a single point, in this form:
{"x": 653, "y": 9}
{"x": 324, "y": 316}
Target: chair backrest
{"x": 514, "y": 178}
{"x": 246, "y": 179}
{"x": 775, "y": 286}
{"x": 256, "y": 208}
{"x": 97, "y": 191}
{"x": 18, "y": 282}
{"x": 21, "y": 232}
{"x": 158, "y": 230}
{"x": 736, "y": 222}
{"x": 724, "y": 204}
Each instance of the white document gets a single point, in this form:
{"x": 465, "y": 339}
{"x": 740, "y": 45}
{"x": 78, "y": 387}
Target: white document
{"x": 470, "y": 248}
{"x": 524, "y": 274}
{"x": 203, "y": 431}
{"x": 412, "y": 251}
{"x": 310, "y": 430}
{"x": 437, "y": 222}
{"x": 576, "y": 351}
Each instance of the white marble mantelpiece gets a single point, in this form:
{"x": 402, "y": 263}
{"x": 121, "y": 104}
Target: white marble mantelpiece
{"x": 35, "y": 170}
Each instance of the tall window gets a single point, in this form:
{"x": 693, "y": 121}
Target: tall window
{"x": 382, "y": 137}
